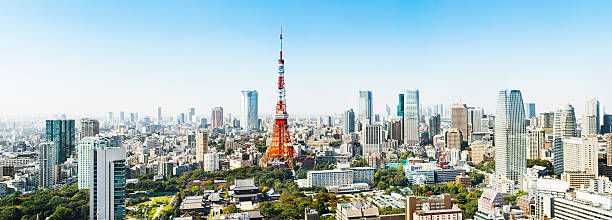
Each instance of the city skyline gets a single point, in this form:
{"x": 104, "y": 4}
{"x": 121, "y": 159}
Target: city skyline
{"x": 162, "y": 58}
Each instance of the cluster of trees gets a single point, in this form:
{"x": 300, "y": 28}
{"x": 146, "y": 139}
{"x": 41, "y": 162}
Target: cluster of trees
{"x": 468, "y": 200}
{"x": 64, "y": 203}
{"x": 291, "y": 206}
{"x": 138, "y": 200}
{"x": 384, "y": 179}
{"x": 151, "y": 186}
{"x": 476, "y": 178}
{"x": 301, "y": 173}
{"x": 543, "y": 163}
{"x": 359, "y": 162}
{"x": 387, "y": 210}
{"x": 511, "y": 199}
{"x": 487, "y": 166}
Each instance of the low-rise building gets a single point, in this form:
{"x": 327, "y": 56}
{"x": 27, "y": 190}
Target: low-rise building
{"x": 577, "y": 179}
{"x": 426, "y": 205}
{"x": 356, "y": 210}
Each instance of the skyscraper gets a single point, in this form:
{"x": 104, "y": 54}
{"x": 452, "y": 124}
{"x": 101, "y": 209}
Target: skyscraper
{"x": 459, "y": 119}
{"x": 589, "y": 125}
{"x": 110, "y": 116}
{"x": 531, "y": 110}
{"x": 591, "y": 108}
{"x": 46, "y": 165}
{"x": 400, "y": 106}
{"x": 86, "y": 145}
{"x": 580, "y": 154}
{"x": 89, "y": 127}
{"x": 217, "y": 118}
{"x": 412, "y": 117}
{"x": 61, "y": 132}
{"x": 249, "y": 118}
{"x": 434, "y": 126}
{"x": 365, "y": 107}
{"x": 475, "y": 118}
{"x": 107, "y": 189}
{"x": 371, "y": 139}
{"x": 564, "y": 126}
{"x": 191, "y": 115}
{"x": 546, "y": 119}
{"x": 607, "y": 124}
{"x": 349, "y": 121}
{"x": 510, "y": 135}
{"x": 159, "y": 114}
{"x": 121, "y": 116}
{"x": 201, "y": 145}
{"x": 536, "y": 142}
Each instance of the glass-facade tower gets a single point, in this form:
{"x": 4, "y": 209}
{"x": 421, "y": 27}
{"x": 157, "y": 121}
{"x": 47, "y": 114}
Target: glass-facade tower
{"x": 510, "y": 135}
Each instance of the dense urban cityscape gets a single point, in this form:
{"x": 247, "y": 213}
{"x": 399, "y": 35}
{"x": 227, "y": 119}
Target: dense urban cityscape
{"x": 409, "y": 161}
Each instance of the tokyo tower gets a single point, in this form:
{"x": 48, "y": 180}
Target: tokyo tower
{"x": 281, "y": 147}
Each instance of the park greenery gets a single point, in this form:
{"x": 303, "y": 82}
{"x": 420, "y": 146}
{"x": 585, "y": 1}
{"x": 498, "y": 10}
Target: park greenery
{"x": 486, "y": 166}
{"x": 468, "y": 200}
{"x": 359, "y": 162}
{"x": 71, "y": 203}
{"x": 64, "y": 203}
{"x": 476, "y": 178}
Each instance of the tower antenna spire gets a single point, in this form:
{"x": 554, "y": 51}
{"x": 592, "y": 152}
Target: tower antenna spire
{"x": 281, "y": 43}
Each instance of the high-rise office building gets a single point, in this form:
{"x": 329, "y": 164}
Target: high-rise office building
{"x": 132, "y": 117}
{"x": 121, "y": 116}
{"x": 475, "y": 118}
{"x": 580, "y": 154}
{"x": 349, "y": 121}
{"x": 46, "y": 165}
{"x": 510, "y": 135}
{"x": 217, "y": 118}
{"x": 434, "y": 125}
{"x": 89, "y": 127}
{"x": 372, "y": 138}
{"x": 536, "y": 141}
{"x": 62, "y": 133}
{"x": 365, "y": 108}
{"x": 159, "y": 114}
{"x": 191, "y": 115}
{"x": 201, "y": 145}
{"x": 181, "y": 118}
{"x": 412, "y": 117}
{"x": 395, "y": 130}
{"x": 607, "y": 124}
{"x": 564, "y": 126}
{"x": 459, "y": 119}
{"x": 86, "y": 145}
{"x": 546, "y": 119}
{"x": 453, "y": 138}
{"x": 591, "y": 108}
{"x": 107, "y": 190}
{"x": 608, "y": 138}
{"x": 400, "y": 106}
{"x": 589, "y": 125}
{"x": 249, "y": 118}
{"x": 531, "y": 110}
{"x": 110, "y": 117}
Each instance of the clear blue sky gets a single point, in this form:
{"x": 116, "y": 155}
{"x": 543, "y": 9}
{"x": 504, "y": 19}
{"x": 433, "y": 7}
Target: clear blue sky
{"x": 79, "y": 57}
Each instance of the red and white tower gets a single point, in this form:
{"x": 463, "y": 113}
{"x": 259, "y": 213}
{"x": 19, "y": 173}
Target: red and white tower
{"x": 281, "y": 146}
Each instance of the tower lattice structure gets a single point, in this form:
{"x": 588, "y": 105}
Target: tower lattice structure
{"x": 281, "y": 146}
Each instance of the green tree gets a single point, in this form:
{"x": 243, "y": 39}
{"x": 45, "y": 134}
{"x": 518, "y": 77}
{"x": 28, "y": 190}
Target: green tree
{"x": 61, "y": 213}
